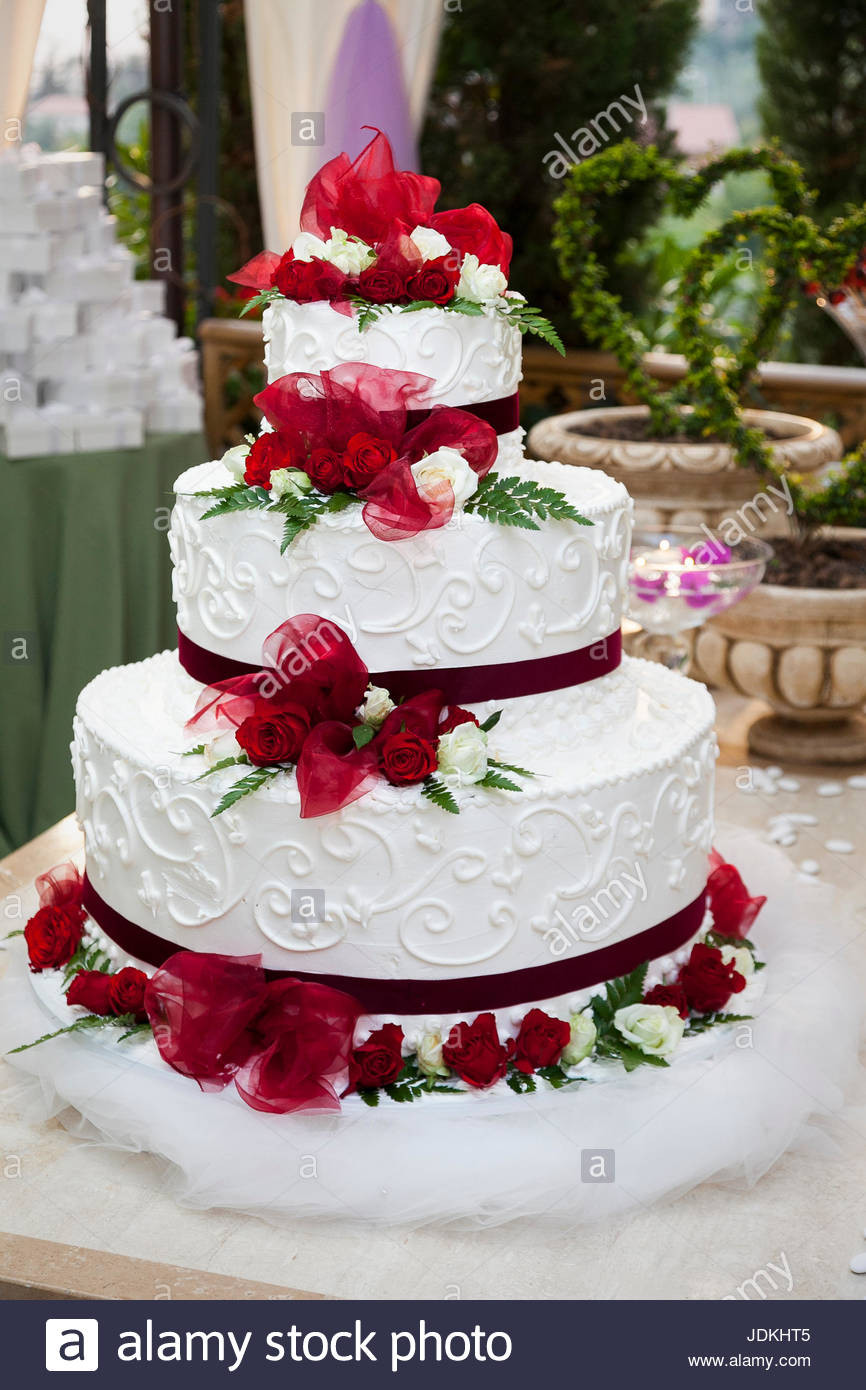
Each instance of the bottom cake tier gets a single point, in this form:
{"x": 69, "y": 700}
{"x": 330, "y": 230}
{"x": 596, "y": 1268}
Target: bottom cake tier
{"x": 598, "y": 864}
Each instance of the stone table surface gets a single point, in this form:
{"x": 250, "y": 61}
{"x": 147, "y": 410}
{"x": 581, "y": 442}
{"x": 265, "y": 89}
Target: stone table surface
{"x": 86, "y": 1222}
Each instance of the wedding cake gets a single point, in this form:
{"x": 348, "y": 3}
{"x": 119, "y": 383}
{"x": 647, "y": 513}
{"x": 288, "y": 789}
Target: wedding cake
{"x": 398, "y": 797}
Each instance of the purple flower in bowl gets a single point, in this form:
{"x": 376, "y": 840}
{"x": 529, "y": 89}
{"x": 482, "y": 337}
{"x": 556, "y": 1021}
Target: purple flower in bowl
{"x": 648, "y": 587}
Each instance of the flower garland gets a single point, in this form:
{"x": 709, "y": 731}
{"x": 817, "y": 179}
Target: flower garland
{"x": 340, "y": 437}
{"x": 290, "y": 1046}
{"x": 311, "y": 709}
{"x": 371, "y": 240}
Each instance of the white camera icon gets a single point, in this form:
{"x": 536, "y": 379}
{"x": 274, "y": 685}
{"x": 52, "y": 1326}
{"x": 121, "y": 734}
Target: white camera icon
{"x": 71, "y": 1344}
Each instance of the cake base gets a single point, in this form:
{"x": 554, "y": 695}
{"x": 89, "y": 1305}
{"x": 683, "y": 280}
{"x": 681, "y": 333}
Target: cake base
{"x": 730, "y": 1104}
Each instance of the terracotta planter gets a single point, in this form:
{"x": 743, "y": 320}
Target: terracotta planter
{"x": 804, "y": 652}
{"x": 689, "y": 484}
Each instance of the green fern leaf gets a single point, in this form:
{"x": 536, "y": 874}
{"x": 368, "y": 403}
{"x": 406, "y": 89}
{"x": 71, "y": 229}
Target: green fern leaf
{"x": 509, "y": 767}
{"x": 495, "y": 779}
{"x": 514, "y": 501}
{"x": 259, "y": 300}
{"x": 703, "y": 1022}
{"x": 437, "y": 792}
{"x": 240, "y": 760}
{"x": 247, "y": 785}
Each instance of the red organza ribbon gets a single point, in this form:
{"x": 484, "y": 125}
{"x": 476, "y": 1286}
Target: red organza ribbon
{"x": 370, "y": 198}
{"x": 449, "y": 996}
{"x": 311, "y": 664}
{"x": 316, "y": 410}
{"x": 733, "y": 909}
{"x": 367, "y": 196}
{"x": 284, "y": 1043}
{"x": 61, "y": 887}
{"x": 307, "y": 660}
{"x": 325, "y": 409}
{"x": 257, "y": 274}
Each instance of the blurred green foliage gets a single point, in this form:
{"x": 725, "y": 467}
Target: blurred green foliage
{"x": 508, "y": 78}
{"x": 812, "y": 62}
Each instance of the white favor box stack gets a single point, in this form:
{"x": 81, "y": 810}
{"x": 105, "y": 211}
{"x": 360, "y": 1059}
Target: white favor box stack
{"x": 88, "y": 360}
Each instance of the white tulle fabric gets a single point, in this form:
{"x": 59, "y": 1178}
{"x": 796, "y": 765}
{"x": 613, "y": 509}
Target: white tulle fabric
{"x": 722, "y": 1111}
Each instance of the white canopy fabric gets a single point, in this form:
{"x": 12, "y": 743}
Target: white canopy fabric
{"x": 292, "y": 45}
{"x": 20, "y": 21}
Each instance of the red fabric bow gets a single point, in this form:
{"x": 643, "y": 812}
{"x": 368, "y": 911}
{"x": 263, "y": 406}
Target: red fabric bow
{"x": 733, "y": 909}
{"x": 307, "y": 661}
{"x": 312, "y": 670}
{"x": 367, "y": 196}
{"x": 327, "y": 410}
{"x": 62, "y": 888}
{"x": 370, "y": 198}
{"x": 285, "y": 1043}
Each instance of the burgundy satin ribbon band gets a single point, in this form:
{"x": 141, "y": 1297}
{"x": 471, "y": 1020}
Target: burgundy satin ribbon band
{"x": 445, "y": 996}
{"x": 503, "y": 413}
{"x": 461, "y": 685}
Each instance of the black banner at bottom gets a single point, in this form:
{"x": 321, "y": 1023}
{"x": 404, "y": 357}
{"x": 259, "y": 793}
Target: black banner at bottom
{"x": 476, "y": 1344}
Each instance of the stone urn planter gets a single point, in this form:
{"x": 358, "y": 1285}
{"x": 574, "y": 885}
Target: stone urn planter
{"x": 804, "y": 652}
{"x": 688, "y": 483}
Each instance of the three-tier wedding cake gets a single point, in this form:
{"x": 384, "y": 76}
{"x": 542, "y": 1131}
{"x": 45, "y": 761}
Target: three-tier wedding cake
{"x": 398, "y": 809}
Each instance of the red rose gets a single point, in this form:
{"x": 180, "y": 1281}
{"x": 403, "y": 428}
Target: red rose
{"x": 366, "y": 455}
{"x": 707, "y": 981}
{"x": 673, "y": 996}
{"x": 52, "y": 936}
{"x": 90, "y": 989}
{"x": 305, "y": 281}
{"x": 271, "y": 450}
{"x": 274, "y": 735}
{"x": 379, "y": 1060}
{"x": 406, "y": 758}
{"x": 732, "y": 908}
{"x": 325, "y": 468}
{"x": 474, "y": 1052}
{"x": 381, "y": 286}
{"x": 540, "y": 1041}
{"x": 456, "y": 716}
{"x": 436, "y": 280}
{"x": 126, "y": 992}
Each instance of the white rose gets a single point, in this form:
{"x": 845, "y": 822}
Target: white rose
{"x": 742, "y": 957}
{"x": 308, "y": 247}
{"x": 582, "y": 1040}
{"x": 463, "y": 753}
{"x": 445, "y": 466}
{"x": 289, "y": 482}
{"x": 480, "y": 282}
{"x": 377, "y": 705}
{"x": 222, "y": 745}
{"x": 429, "y": 1055}
{"x": 430, "y": 243}
{"x": 655, "y": 1028}
{"x": 347, "y": 254}
{"x": 235, "y": 460}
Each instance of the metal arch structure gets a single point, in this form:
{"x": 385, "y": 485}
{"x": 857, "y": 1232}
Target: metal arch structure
{"x": 176, "y": 164}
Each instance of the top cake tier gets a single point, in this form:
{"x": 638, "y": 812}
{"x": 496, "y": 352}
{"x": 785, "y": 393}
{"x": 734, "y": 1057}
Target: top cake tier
{"x": 471, "y": 359}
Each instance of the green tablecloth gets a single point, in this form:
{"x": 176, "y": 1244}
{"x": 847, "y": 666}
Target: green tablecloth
{"x": 85, "y": 581}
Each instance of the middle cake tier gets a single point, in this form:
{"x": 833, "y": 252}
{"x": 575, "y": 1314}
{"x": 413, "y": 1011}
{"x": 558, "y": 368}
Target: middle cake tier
{"x": 608, "y": 839}
{"x": 471, "y": 594}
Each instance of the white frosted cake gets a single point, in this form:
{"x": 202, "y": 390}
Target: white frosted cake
{"x": 466, "y": 801}
{"x": 486, "y": 909}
